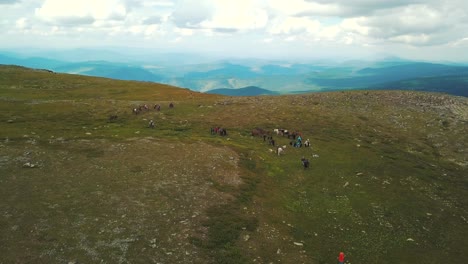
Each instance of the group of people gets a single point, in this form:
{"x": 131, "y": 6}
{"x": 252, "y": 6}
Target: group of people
{"x": 296, "y": 142}
{"x": 270, "y": 139}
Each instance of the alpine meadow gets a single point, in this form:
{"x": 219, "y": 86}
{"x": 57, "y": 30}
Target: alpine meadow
{"x": 83, "y": 179}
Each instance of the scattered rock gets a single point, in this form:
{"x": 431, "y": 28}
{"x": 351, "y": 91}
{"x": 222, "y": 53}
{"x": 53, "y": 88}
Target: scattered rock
{"x": 298, "y": 244}
{"x": 346, "y": 184}
{"x": 246, "y": 238}
{"x": 410, "y": 239}
{"x": 29, "y": 165}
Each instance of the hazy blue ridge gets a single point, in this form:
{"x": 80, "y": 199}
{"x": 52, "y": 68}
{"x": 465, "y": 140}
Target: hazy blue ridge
{"x": 245, "y": 91}
{"x": 33, "y": 62}
{"x": 371, "y": 77}
{"x": 453, "y": 84}
{"x": 110, "y": 70}
{"x": 227, "y": 71}
{"x": 280, "y": 77}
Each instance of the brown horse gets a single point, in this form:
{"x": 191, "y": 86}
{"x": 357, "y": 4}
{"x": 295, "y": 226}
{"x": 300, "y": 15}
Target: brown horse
{"x": 259, "y": 132}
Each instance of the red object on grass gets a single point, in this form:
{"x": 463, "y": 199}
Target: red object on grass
{"x": 341, "y": 257}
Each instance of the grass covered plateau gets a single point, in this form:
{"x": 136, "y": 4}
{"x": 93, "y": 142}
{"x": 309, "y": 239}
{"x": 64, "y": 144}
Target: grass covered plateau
{"x": 387, "y": 181}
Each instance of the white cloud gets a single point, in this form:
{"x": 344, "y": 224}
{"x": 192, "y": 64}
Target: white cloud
{"x": 355, "y": 25}
{"x": 237, "y": 15}
{"x": 22, "y": 23}
{"x": 353, "y": 8}
{"x": 189, "y": 14}
{"x": 9, "y": 2}
{"x": 81, "y": 11}
{"x": 278, "y": 25}
{"x": 184, "y": 31}
{"x": 294, "y": 25}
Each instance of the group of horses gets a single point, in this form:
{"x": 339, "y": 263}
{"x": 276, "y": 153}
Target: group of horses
{"x": 278, "y": 131}
{"x": 144, "y": 107}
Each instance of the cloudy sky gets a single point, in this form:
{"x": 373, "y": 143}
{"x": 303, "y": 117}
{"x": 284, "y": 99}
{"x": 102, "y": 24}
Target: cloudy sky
{"x": 417, "y": 29}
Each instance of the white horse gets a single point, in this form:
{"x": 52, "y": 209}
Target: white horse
{"x": 280, "y": 150}
{"x": 280, "y": 131}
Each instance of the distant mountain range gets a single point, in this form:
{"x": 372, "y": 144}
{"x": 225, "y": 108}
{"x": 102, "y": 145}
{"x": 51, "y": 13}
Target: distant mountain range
{"x": 253, "y": 77}
{"x": 245, "y": 91}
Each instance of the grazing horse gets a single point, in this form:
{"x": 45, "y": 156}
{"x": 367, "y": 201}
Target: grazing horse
{"x": 280, "y": 131}
{"x": 157, "y": 107}
{"x": 259, "y": 132}
{"x": 112, "y": 118}
{"x": 171, "y": 105}
{"x": 280, "y": 150}
{"x": 222, "y": 131}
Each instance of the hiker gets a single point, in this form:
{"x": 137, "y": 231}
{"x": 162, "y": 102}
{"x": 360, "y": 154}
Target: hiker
{"x": 341, "y": 258}
{"x": 151, "y": 124}
{"x": 305, "y": 162}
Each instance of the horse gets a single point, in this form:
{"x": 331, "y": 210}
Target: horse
{"x": 280, "y": 131}
{"x": 259, "y": 132}
{"x": 112, "y": 118}
{"x": 280, "y": 150}
{"x": 171, "y": 105}
{"x": 222, "y": 131}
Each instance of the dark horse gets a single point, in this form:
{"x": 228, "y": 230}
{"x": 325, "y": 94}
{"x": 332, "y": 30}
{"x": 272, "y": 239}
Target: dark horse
{"x": 112, "y": 118}
{"x": 259, "y": 132}
{"x": 171, "y": 105}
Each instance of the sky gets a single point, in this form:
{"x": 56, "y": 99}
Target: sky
{"x": 430, "y": 30}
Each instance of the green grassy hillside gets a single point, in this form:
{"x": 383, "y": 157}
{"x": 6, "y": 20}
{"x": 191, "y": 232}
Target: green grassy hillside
{"x": 387, "y": 181}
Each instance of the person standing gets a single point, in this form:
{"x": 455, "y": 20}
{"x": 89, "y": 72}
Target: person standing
{"x": 305, "y": 162}
{"x": 341, "y": 258}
